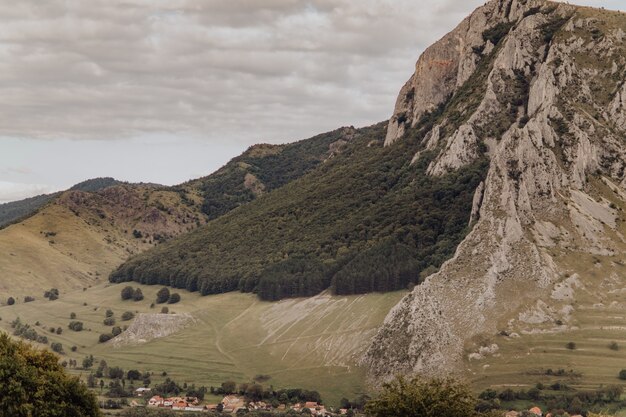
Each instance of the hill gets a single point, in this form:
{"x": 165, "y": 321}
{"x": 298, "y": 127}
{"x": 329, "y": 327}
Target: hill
{"x": 366, "y": 220}
{"x": 543, "y": 263}
{"x": 296, "y": 343}
{"x": 72, "y": 239}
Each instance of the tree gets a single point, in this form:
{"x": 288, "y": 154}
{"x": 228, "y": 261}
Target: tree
{"x": 10, "y": 301}
{"x": 174, "y": 298}
{"x": 163, "y": 295}
{"x": 165, "y": 310}
{"x": 417, "y": 397}
{"x": 109, "y": 321}
{"x": 133, "y": 375}
{"x": 35, "y": 384}
{"x": 622, "y": 374}
{"x": 109, "y": 313}
{"x": 229, "y": 387}
{"x": 138, "y": 295}
{"x": 128, "y": 315}
{"x": 88, "y": 362}
{"x": 115, "y": 331}
{"x": 127, "y": 293}
{"x": 72, "y": 316}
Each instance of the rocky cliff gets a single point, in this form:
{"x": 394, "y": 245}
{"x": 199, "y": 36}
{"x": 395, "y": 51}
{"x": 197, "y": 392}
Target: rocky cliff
{"x": 540, "y": 86}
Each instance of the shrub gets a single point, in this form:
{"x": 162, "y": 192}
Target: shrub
{"x": 59, "y": 330}
{"x": 138, "y": 295}
{"x": 174, "y": 298}
{"x": 128, "y": 315}
{"x": 57, "y": 347}
{"x": 116, "y": 331}
{"x": 51, "y": 294}
{"x": 28, "y": 299}
{"x": 109, "y": 321}
{"x": 622, "y": 374}
{"x": 88, "y": 361}
{"x": 570, "y": 345}
{"x": 127, "y": 293}
{"x": 72, "y": 316}
{"x": 163, "y": 295}
{"x": 165, "y": 310}
{"x": 104, "y": 337}
{"x": 437, "y": 397}
{"x": 77, "y": 326}
{"x": 74, "y": 348}
{"x": 613, "y": 346}
{"x": 109, "y": 313}
{"x": 10, "y": 301}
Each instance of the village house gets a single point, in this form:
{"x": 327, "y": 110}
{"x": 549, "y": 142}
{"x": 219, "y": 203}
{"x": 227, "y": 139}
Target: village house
{"x": 232, "y": 403}
{"x": 140, "y": 392}
{"x": 156, "y": 401}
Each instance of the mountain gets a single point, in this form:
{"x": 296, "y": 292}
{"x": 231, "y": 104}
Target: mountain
{"x": 366, "y": 220}
{"x": 68, "y": 240}
{"x": 548, "y": 103}
{"x": 16, "y": 210}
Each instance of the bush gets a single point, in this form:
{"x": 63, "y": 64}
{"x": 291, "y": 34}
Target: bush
{"x": 163, "y": 295}
{"x": 165, "y": 310}
{"x": 104, "y": 337}
{"x": 59, "y": 330}
{"x": 51, "y": 294}
{"x": 127, "y": 293}
{"x": 138, "y": 295}
{"x": 57, "y": 347}
{"x": 10, "y": 301}
{"x": 570, "y": 345}
{"x": 41, "y": 373}
{"x": 109, "y": 321}
{"x": 77, "y": 326}
{"x": 622, "y": 374}
{"x": 72, "y": 316}
{"x": 613, "y": 346}
{"x": 437, "y": 397}
{"x": 128, "y": 315}
{"x": 116, "y": 331}
{"x": 28, "y": 299}
{"x": 74, "y": 348}
{"x": 109, "y": 313}
{"x": 174, "y": 298}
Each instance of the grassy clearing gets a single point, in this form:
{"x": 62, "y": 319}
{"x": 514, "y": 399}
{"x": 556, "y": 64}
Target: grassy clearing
{"x": 308, "y": 343}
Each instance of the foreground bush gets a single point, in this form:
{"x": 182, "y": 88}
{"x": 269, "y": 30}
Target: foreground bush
{"x": 34, "y": 384}
{"x": 418, "y": 398}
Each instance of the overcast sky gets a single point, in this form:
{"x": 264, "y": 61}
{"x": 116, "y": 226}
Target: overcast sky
{"x": 168, "y": 90}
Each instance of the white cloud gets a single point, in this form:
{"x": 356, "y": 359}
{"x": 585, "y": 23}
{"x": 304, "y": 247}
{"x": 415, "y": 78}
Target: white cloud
{"x": 10, "y": 191}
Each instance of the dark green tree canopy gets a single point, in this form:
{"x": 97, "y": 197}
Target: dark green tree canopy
{"x": 33, "y": 384}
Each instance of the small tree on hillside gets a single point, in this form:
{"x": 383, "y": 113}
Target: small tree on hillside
{"x": 10, "y": 301}
{"x": 127, "y": 293}
{"x": 174, "y": 298}
{"x": 138, "y": 295}
{"x": 416, "y": 398}
{"x": 163, "y": 295}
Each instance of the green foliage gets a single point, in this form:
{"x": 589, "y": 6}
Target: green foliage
{"x": 311, "y": 234}
{"x": 497, "y": 33}
{"x": 104, "y": 337}
{"x": 88, "y": 361}
{"x": 127, "y": 293}
{"x": 622, "y": 374}
{"x": 418, "y": 398}
{"x": 10, "y": 301}
{"x": 51, "y": 294}
{"x": 34, "y": 384}
{"x": 109, "y": 321}
{"x": 137, "y": 295}
{"x": 570, "y": 345}
{"x": 77, "y": 326}
{"x": 128, "y": 315}
{"x": 56, "y": 347}
{"x": 163, "y": 295}
{"x": 109, "y": 313}
{"x": 273, "y": 165}
{"x": 174, "y": 298}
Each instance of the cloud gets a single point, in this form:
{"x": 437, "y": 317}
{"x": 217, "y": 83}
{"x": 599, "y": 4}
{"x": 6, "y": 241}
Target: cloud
{"x": 11, "y": 191}
{"x": 214, "y": 69}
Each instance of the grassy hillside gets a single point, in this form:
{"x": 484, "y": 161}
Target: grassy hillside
{"x": 265, "y": 167}
{"x": 366, "y": 220}
{"x": 77, "y": 239}
{"x": 309, "y": 343}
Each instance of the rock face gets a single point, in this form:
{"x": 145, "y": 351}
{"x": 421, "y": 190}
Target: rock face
{"x": 548, "y": 106}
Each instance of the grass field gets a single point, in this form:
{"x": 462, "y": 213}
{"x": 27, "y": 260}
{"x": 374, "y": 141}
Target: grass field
{"x": 305, "y": 343}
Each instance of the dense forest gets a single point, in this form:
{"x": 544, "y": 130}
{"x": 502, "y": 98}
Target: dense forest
{"x": 366, "y": 220}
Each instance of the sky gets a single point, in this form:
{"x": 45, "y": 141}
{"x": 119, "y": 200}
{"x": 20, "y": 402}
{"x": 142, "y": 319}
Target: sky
{"x": 168, "y": 90}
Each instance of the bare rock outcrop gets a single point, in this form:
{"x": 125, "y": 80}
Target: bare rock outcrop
{"x": 542, "y": 122}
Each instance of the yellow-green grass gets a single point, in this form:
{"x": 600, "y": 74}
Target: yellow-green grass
{"x": 306, "y": 343}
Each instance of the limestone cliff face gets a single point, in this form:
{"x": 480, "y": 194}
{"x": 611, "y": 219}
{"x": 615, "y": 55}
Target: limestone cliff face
{"x": 551, "y": 115}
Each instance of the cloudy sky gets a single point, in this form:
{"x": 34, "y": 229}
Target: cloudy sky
{"x": 168, "y": 90}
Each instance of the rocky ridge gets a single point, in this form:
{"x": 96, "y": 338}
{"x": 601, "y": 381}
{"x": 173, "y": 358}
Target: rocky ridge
{"x": 551, "y": 117}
